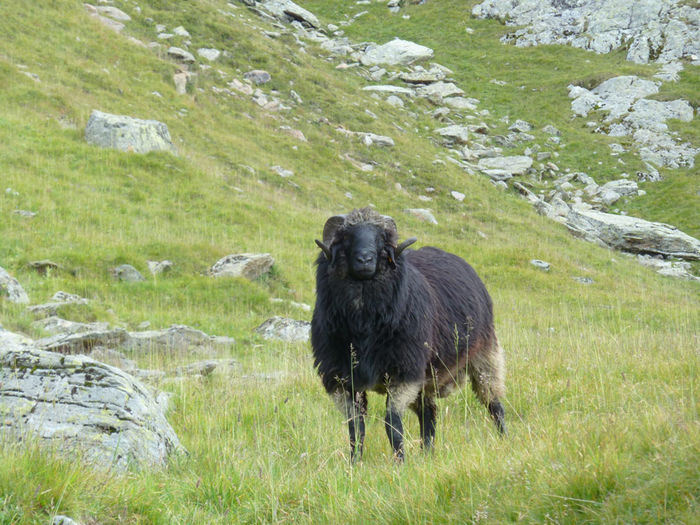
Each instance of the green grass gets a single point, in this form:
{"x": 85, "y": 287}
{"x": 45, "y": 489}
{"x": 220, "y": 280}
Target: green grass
{"x": 602, "y": 379}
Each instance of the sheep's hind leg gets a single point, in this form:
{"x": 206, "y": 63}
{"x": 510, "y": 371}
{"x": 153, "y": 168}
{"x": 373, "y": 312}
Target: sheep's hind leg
{"x": 486, "y": 372}
{"x": 426, "y": 410}
{"x": 397, "y": 399}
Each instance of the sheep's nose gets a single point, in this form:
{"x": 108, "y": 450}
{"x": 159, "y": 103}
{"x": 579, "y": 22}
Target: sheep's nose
{"x": 364, "y": 258}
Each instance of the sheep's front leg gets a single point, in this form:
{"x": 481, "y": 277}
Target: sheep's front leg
{"x": 397, "y": 399}
{"x": 354, "y": 411}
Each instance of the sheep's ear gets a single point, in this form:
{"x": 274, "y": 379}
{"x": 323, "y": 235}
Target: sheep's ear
{"x": 391, "y": 258}
{"x": 325, "y": 249}
{"x": 405, "y": 244}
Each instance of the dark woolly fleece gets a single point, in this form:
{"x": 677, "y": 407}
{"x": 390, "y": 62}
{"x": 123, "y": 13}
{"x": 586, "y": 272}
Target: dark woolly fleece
{"x": 410, "y": 323}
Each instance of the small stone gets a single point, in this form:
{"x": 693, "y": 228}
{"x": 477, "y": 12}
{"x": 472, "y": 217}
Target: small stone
{"x": 282, "y": 172}
{"x": 584, "y": 280}
{"x": 542, "y": 265}
{"x": 158, "y": 267}
{"x": 258, "y": 76}
{"x": 181, "y": 31}
{"x": 10, "y": 288}
{"x": 458, "y": 195}
{"x": 181, "y": 55}
{"x": 248, "y": 265}
{"x": 422, "y": 214}
{"x": 127, "y": 273}
{"x": 209, "y": 53}
{"x": 284, "y": 329}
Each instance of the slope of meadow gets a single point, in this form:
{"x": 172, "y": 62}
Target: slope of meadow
{"x": 602, "y": 379}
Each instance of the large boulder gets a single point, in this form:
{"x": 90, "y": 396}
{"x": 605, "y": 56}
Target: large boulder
{"x": 395, "y": 53}
{"x": 75, "y": 405}
{"x": 127, "y": 133}
{"x": 10, "y": 288}
{"x": 631, "y": 234}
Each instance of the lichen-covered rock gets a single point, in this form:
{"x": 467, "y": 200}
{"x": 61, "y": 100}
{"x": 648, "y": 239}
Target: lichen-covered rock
{"x": 10, "y": 288}
{"x": 248, "y": 265}
{"x": 75, "y": 405}
{"x": 127, "y": 273}
{"x": 127, "y": 133}
{"x": 632, "y": 234}
{"x": 285, "y": 329}
{"x": 83, "y": 342}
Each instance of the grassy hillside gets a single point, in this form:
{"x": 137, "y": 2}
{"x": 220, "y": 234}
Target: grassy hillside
{"x": 602, "y": 379}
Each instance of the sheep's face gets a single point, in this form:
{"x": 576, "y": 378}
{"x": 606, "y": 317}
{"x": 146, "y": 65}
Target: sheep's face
{"x": 362, "y": 244}
{"x": 362, "y": 248}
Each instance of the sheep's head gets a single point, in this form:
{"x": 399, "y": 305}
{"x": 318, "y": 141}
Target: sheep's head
{"x": 364, "y": 241}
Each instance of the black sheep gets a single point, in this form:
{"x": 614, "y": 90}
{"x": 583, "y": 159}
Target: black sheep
{"x": 405, "y": 324}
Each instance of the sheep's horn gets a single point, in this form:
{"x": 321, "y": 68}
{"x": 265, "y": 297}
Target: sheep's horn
{"x": 324, "y": 248}
{"x": 330, "y": 228}
{"x": 405, "y": 244}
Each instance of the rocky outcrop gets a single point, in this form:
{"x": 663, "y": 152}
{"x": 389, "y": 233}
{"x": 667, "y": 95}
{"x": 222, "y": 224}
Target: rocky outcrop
{"x": 10, "y": 289}
{"x": 288, "y": 11}
{"x": 176, "y": 338}
{"x": 628, "y": 112}
{"x": 284, "y": 329}
{"x": 248, "y": 265}
{"x": 127, "y": 133}
{"x": 633, "y": 235}
{"x": 661, "y": 30}
{"x": 77, "y": 406}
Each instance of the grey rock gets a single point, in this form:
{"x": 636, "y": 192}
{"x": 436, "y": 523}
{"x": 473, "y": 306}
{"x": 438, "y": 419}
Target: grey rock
{"x": 513, "y": 165}
{"x": 282, "y": 172}
{"x": 459, "y": 196}
{"x": 127, "y": 133}
{"x": 25, "y": 213}
{"x": 58, "y": 300}
{"x": 208, "y": 53}
{"x": 74, "y": 404}
{"x": 83, "y": 342}
{"x": 677, "y": 269}
{"x": 180, "y": 79}
{"x": 542, "y": 265}
{"x": 63, "y": 520}
{"x": 110, "y": 23}
{"x": 397, "y": 52}
{"x": 57, "y": 325}
{"x": 608, "y": 197}
{"x": 520, "y": 126}
{"x": 258, "y": 76}
{"x": 181, "y": 31}
{"x": 113, "y": 13}
{"x": 422, "y": 214}
{"x": 394, "y": 90}
{"x": 662, "y": 150}
{"x": 623, "y": 187}
{"x": 284, "y": 329}
{"x": 176, "y": 338}
{"x": 371, "y": 139}
{"x": 395, "y": 101}
{"x": 440, "y": 90}
{"x": 584, "y": 280}
{"x": 632, "y": 234}
{"x": 456, "y": 133}
{"x": 460, "y": 103}
{"x": 286, "y": 11}
{"x": 127, "y": 273}
{"x": 158, "y": 267}
{"x": 113, "y": 358}
{"x": 10, "y": 288}
{"x": 43, "y": 267}
{"x": 248, "y": 265}
{"x": 551, "y": 130}
{"x": 181, "y": 55}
